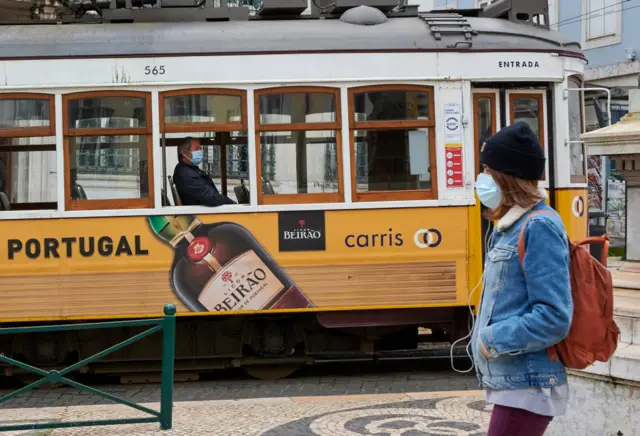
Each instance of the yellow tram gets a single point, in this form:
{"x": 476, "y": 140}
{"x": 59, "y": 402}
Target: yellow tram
{"x": 351, "y": 151}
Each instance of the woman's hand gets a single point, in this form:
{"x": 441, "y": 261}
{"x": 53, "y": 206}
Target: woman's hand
{"x": 484, "y": 351}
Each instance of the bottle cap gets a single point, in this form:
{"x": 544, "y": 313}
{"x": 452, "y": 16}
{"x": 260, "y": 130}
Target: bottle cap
{"x": 199, "y": 248}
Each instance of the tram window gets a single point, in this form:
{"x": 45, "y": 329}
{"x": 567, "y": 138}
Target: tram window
{"x": 108, "y": 150}
{"x": 216, "y": 118}
{"x": 202, "y": 108}
{"x": 28, "y": 164}
{"x": 298, "y": 137}
{"x": 391, "y": 105}
{"x": 393, "y": 143}
{"x": 529, "y": 108}
{"x": 300, "y": 162}
{"x": 485, "y": 125}
{"x": 575, "y": 129}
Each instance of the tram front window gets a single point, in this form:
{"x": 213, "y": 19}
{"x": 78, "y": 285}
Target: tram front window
{"x": 578, "y": 164}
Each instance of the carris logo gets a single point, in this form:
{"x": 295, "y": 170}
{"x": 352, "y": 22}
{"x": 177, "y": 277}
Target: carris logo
{"x": 424, "y": 238}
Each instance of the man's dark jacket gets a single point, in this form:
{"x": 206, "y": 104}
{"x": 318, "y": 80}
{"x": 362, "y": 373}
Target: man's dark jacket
{"x": 196, "y": 188}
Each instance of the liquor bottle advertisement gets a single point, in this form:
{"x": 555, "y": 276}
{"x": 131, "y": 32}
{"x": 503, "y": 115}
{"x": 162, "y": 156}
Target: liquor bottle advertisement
{"x": 221, "y": 267}
{"x": 82, "y": 268}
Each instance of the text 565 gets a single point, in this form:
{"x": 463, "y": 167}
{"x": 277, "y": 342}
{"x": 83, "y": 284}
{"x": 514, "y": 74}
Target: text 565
{"x": 154, "y": 71}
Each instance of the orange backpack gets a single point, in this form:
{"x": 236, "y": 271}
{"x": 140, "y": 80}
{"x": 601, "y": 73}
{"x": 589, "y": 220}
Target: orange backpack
{"x": 593, "y": 334}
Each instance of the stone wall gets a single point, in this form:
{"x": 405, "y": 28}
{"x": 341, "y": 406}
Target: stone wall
{"x": 599, "y": 407}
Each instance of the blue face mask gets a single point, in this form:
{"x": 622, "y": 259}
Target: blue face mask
{"x": 488, "y": 191}
{"x": 196, "y": 157}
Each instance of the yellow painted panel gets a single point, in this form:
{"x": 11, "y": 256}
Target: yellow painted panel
{"x": 117, "y": 267}
{"x": 571, "y": 204}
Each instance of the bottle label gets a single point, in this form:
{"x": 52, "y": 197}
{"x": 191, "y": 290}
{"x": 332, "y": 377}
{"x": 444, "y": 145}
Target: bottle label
{"x": 245, "y": 283}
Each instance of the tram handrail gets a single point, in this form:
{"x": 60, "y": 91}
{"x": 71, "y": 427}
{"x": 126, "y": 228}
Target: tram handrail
{"x": 596, "y": 88}
{"x": 165, "y": 416}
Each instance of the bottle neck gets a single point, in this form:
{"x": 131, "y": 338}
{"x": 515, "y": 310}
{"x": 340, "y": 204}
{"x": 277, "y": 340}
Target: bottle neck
{"x": 186, "y": 234}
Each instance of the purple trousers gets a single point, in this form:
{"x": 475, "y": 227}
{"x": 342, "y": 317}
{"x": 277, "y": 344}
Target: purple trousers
{"x": 508, "y": 421}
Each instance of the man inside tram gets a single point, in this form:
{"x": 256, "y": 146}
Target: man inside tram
{"x": 194, "y": 186}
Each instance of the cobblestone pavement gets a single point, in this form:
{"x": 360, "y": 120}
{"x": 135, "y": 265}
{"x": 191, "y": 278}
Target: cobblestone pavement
{"x": 343, "y": 380}
{"x": 459, "y": 413}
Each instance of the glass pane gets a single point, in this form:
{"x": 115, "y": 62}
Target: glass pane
{"x": 485, "y": 119}
{"x": 29, "y": 177}
{"x": 108, "y": 167}
{"x": 391, "y": 105}
{"x": 575, "y": 129}
{"x": 203, "y": 109}
{"x": 297, "y": 107}
{"x": 299, "y": 162}
{"x": 527, "y": 109}
{"x": 237, "y": 156}
{"x": 392, "y": 160}
{"x": 28, "y": 142}
{"x": 107, "y": 112}
{"x": 237, "y": 151}
{"x": 24, "y": 113}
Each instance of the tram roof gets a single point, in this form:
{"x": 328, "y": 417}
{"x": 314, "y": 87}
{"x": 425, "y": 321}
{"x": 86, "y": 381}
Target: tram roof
{"x": 271, "y": 36}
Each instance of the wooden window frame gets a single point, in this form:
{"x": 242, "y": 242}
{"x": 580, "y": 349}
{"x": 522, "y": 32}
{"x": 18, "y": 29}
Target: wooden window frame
{"x": 476, "y": 134}
{"x": 147, "y": 131}
{"x": 29, "y": 132}
{"x": 407, "y": 195}
{"x": 573, "y": 178}
{"x": 205, "y": 126}
{"x": 543, "y": 113}
{"x": 334, "y": 197}
{"x": 218, "y": 127}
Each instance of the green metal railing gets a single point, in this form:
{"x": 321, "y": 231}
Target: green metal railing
{"x": 165, "y": 416}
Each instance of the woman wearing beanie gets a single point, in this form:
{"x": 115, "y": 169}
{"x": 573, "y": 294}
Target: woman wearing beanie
{"x": 525, "y": 308}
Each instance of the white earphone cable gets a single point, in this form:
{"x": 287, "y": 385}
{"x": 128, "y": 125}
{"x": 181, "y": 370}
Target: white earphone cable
{"x": 487, "y": 241}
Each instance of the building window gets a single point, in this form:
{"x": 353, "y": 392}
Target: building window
{"x": 529, "y": 108}
{"x": 392, "y": 143}
{"x": 28, "y": 165}
{"x": 603, "y": 23}
{"x": 576, "y": 146}
{"x": 108, "y": 150}
{"x": 446, "y": 4}
{"x": 216, "y": 117}
{"x": 298, "y": 137}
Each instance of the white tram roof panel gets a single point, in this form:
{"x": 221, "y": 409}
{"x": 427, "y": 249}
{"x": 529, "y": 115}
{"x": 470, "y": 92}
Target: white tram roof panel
{"x": 271, "y": 36}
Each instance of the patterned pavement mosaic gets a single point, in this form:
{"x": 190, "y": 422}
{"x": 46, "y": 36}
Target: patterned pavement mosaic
{"x": 450, "y": 413}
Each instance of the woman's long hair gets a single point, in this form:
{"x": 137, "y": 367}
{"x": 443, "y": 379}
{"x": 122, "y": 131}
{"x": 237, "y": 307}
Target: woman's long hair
{"x": 515, "y": 192}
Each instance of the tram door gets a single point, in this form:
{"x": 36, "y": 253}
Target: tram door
{"x": 487, "y": 121}
{"x": 495, "y": 108}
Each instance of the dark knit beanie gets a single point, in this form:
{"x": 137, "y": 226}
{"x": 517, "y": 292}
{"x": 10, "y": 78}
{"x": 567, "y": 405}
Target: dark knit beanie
{"x": 516, "y": 151}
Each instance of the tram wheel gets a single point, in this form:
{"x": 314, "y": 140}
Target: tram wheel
{"x": 271, "y": 371}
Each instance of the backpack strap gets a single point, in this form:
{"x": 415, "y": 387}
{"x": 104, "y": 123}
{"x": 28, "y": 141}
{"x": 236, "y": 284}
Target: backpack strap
{"x": 604, "y": 240}
{"x": 551, "y": 351}
{"x": 521, "y": 237}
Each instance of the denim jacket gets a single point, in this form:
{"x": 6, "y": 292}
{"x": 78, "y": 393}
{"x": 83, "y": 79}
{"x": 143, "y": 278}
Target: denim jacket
{"x": 520, "y": 316}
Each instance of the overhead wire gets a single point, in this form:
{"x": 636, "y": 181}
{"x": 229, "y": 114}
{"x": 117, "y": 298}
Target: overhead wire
{"x": 587, "y": 15}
